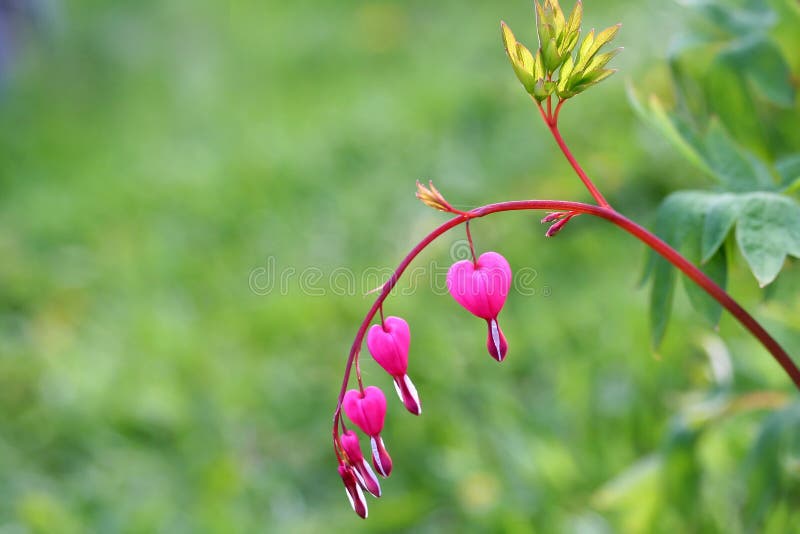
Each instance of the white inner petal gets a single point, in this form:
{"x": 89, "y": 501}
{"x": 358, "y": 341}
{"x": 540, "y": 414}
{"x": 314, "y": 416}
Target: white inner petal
{"x": 397, "y": 389}
{"x": 496, "y": 337}
{"x": 376, "y": 456}
{"x": 359, "y": 477}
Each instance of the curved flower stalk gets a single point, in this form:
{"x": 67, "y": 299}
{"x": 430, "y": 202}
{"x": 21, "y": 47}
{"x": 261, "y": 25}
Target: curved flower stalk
{"x": 481, "y": 285}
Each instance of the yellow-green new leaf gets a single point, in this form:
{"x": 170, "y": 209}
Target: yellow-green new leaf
{"x": 543, "y": 89}
{"x": 520, "y": 57}
{"x": 550, "y": 56}
{"x": 542, "y": 28}
{"x": 538, "y": 66}
{"x": 604, "y": 37}
{"x": 509, "y": 41}
{"x": 601, "y": 60}
{"x": 558, "y": 19}
{"x": 564, "y": 74}
{"x": 574, "y": 22}
{"x": 583, "y": 51}
{"x": 569, "y": 43}
{"x": 525, "y": 66}
{"x": 602, "y": 75}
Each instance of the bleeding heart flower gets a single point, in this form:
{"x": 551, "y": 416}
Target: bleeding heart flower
{"x": 363, "y": 472}
{"x": 482, "y": 287}
{"x": 367, "y": 411}
{"x": 354, "y": 493}
{"x": 388, "y": 343}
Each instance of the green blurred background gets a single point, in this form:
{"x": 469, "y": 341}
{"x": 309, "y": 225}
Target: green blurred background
{"x": 170, "y": 174}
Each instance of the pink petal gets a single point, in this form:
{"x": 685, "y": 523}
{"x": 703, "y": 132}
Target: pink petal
{"x": 351, "y": 446}
{"x": 367, "y": 412}
{"x": 482, "y": 290}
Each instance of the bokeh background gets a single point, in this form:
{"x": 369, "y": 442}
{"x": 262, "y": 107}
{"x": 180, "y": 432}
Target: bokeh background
{"x": 194, "y": 200}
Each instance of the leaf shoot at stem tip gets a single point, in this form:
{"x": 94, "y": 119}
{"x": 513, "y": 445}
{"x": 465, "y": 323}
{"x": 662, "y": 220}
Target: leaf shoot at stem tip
{"x": 558, "y": 38}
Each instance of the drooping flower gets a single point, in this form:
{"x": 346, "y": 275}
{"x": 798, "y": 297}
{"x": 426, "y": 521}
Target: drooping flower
{"x": 482, "y": 287}
{"x": 389, "y": 343}
{"x": 367, "y": 411}
{"x": 354, "y": 493}
{"x": 363, "y": 472}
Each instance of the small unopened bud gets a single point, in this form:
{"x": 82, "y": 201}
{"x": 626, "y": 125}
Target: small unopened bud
{"x": 553, "y": 216}
{"x": 557, "y": 226}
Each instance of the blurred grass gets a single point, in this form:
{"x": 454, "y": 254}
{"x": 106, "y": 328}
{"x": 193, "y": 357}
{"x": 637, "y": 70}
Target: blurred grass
{"x": 153, "y": 155}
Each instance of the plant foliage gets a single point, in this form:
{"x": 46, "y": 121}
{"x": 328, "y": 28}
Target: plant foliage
{"x": 735, "y": 120}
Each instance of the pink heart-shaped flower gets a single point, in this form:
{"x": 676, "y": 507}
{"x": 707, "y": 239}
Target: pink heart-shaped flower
{"x": 366, "y": 411}
{"x": 389, "y": 345}
{"x": 481, "y": 287}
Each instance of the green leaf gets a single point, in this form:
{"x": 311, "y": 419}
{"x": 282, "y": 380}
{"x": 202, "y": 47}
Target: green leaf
{"x": 768, "y": 230}
{"x": 564, "y": 74}
{"x": 764, "y": 65}
{"x": 722, "y": 213}
{"x": 788, "y": 168}
{"x": 729, "y": 98}
{"x": 755, "y": 16}
{"x": 575, "y": 18}
{"x": 603, "y": 38}
{"x": 677, "y": 133}
{"x": 770, "y": 467}
{"x": 661, "y": 297}
{"x": 583, "y": 52}
{"x": 601, "y": 60}
{"x": 679, "y": 222}
{"x": 521, "y": 58}
{"x": 569, "y": 43}
{"x": 732, "y": 164}
{"x": 715, "y": 268}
